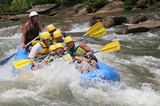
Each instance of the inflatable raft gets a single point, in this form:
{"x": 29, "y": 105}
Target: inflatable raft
{"x": 104, "y": 72}
{"x": 23, "y": 54}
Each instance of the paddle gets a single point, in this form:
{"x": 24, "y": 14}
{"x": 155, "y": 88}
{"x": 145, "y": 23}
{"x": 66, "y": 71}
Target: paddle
{"x": 25, "y": 62}
{"x": 113, "y": 46}
{"x": 100, "y": 32}
{"x": 96, "y": 30}
{"x": 8, "y": 58}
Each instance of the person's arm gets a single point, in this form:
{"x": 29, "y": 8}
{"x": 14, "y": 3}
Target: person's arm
{"x": 25, "y": 29}
{"x": 86, "y": 48}
{"x": 34, "y": 51}
{"x": 81, "y": 59}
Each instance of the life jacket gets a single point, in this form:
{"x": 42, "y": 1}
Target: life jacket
{"x": 65, "y": 57}
{"x": 35, "y": 42}
{"x": 77, "y": 51}
{"x": 44, "y": 51}
{"x": 33, "y": 31}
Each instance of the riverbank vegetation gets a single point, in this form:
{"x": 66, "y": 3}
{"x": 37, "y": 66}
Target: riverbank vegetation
{"x": 21, "y": 6}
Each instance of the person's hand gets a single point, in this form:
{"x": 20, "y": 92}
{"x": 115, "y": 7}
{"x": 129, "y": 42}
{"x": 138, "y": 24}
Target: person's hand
{"x": 88, "y": 53}
{"x": 23, "y": 46}
{"x": 93, "y": 63}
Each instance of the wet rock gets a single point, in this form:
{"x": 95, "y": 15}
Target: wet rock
{"x": 113, "y": 6}
{"x": 42, "y": 8}
{"x": 143, "y": 27}
{"x": 81, "y": 12}
{"x": 22, "y": 16}
{"x": 158, "y": 32}
{"x": 14, "y": 18}
{"x": 119, "y": 20}
{"x": 158, "y": 5}
{"x": 95, "y": 20}
{"x": 66, "y": 11}
{"x": 138, "y": 18}
{"x": 108, "y": 22}
{"x": 143, "y": 4}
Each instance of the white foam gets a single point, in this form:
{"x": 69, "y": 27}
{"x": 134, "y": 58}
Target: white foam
{"x": 79, "y": 28}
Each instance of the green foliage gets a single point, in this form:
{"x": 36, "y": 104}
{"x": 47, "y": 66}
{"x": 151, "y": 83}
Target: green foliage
{"x": 19, "y": 6}
{"x": 4, "y": 5}
{"x": 94, "y": 4}
{"x": 154, "y": 2}
{"x": 128, "y": 4}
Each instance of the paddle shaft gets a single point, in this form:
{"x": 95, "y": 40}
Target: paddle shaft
{"x": 8, "y": 58}
{"x": 90, "y": 53}
{"x": 29, "y": 43}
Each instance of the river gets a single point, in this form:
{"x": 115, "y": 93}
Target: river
{"x": 138, "y": 63}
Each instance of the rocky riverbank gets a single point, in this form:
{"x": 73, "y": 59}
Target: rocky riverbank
{"x": 136, "y": 23}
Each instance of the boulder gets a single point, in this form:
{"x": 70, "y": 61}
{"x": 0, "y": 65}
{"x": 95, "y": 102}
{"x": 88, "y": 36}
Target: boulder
{"x": 42, "y": 8}
{"x": 143, "y": 3}
{"x": 81, "y": 12}
{"x": 109, "y": 22}
{"x": 143, "y": 27}
{"x": 119, "y": 20}
{"x": 138, "y": 18}
{"x": 14, "y": 18}
{"x": 95, "y": 20}
{"x": 65, "y": 11}
{"x": 113, "y": 6}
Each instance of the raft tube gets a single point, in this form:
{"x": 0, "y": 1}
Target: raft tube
{"x": 23, "y": 54}
{"x": 103, "y": 73}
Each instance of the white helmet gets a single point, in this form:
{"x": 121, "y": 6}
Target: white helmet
{"x": 33, "y": 13}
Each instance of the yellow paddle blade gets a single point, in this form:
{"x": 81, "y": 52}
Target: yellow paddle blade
{"x": 21, "y": 63}
{"x": 113, "y": 46}
{"x": 94, "y": 28}
{"x": 99, "y": 33}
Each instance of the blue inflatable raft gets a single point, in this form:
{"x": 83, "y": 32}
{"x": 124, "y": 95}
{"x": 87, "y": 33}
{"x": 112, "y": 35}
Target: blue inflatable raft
{"x": 104, "y": 72}
{"x": 23, "y": 54}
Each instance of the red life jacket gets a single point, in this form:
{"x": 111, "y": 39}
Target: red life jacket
{"x": 33, "y": 31}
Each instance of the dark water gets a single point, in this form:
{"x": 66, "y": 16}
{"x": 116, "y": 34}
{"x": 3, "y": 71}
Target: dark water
{"x": 138, "y": 62}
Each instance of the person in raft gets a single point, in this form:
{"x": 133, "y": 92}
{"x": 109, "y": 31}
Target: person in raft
{"x": 51, "y": 29}
{"x": 40, "y": 49}
{"x": 77, "y": 49}
{"x": 31, "y": 29}
{"x": 50, "y": 58}
{"x": 58, "y": 53}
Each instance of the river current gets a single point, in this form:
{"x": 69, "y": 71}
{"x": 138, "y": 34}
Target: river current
{"x": 138, "y": 63}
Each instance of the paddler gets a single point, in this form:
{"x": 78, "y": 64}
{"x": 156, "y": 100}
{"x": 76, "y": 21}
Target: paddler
{"x": 31, "y": 29}
{"x": 77, "y": 49}
{"x": 51, "y": 29}
{"x": 40, "y": 49}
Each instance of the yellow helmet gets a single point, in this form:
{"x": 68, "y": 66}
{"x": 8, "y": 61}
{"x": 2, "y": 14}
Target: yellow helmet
{"x": 58, "y": 29}
{"x": 57, "y": 34}
{"x": 52, "y": 47}
{"x": 68, "y": 39}
{"x": 58, "y": 45}
{"x": 50, "y": 28}
{"x": 45, "y": 35}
